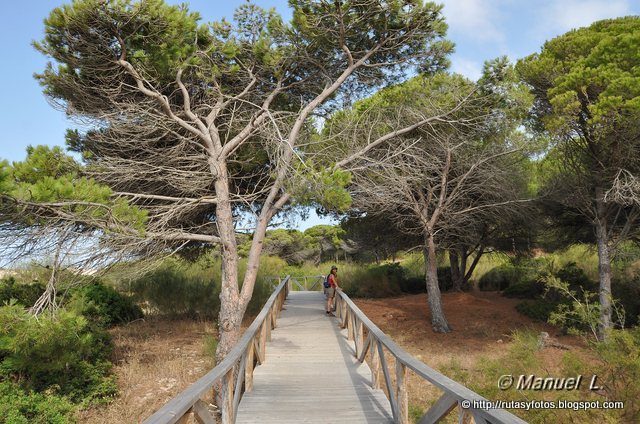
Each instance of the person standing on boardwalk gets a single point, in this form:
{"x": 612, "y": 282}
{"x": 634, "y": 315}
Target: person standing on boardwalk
{"x": 330, "y": 291}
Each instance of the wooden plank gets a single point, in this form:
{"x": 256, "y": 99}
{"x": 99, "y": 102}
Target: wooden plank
{"x": 295, "y": 281}
{"x": 440, "y": 409}
{"x": 312, "y": 375}
{"x": 387, "y": 380}
{"x": 185, "y": 418}
{"x": 350, "y": 326}
{"x": 375, "y": 363}
{"x": 237, "y": 389}
{"x": 263, "y": 339}
{"x": 402, "y": 394}
{"x": 228, "y": 416}
{"x": 364, "y": 349}
{"x": 464, "y": 416}
{"x": 248, "y": 368}
{"x": 258, "y": 351}
{"x": 477, "y": 418}
{"x": 267, "y": 325}
{"x": 358, "y": 336}
{"x": 201, "y": 413}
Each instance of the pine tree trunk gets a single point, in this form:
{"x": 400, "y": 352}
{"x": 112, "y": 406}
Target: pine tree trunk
{"x": 454, "y": 264}
{"x": 472, "y": 267}
{"x": 438, "y": 321}
{"x": 231, "y": 308}
{"x": 604, "y": 267}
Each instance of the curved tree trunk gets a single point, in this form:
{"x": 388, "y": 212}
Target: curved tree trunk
{"x": 438, "y": 321}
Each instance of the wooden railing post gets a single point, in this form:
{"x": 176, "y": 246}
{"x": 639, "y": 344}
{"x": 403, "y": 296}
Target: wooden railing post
{"x": 401, "y": 393}
{"x": 267, "y": 326}
{"x": 248, "y": 368}
{"x": 227, "y": 398}
{"x": 263, "y": 340}
{"x": 359, "y": 337}
{"x": 349, "y": 319}
{"x": 375, "y": 363}
{"x": 185, "y": 418}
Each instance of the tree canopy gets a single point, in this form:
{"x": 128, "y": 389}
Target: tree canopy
{"x": 192, "y": 127}
{"x": 586, "y": 85}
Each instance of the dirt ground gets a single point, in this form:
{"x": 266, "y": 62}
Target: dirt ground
{"x": 482, "y": 322}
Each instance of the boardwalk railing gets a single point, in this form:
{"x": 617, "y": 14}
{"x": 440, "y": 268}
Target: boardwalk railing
{"x": 234, "y": 375}
{"x": 375, "y": 344}
{"x": 305, "y": 283}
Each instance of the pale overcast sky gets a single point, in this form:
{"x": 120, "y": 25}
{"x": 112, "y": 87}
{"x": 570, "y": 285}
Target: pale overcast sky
{"x": 481, "y": 30}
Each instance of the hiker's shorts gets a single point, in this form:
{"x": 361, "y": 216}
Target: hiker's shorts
{"x": 330, "y": 292}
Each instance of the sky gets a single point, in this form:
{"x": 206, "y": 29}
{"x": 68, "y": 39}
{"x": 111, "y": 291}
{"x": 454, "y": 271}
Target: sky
{"x": 481, "y": 30}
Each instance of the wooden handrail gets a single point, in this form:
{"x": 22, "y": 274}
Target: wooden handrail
{"x": 302, "y": 282}
{"x": 234, "y": 374}
{"x": 352, "y": 318}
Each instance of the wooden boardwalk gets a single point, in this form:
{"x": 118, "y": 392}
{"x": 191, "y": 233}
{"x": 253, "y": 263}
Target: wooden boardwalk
{"x": 310, "y": 374}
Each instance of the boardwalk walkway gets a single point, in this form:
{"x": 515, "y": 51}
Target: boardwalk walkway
{"x": 310, "y": 374}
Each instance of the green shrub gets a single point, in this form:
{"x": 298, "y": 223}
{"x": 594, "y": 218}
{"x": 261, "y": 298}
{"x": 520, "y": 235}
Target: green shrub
{"x": 499, "y": 278}
{"x": 619, "y": 369}
{"x": 24, "y": 294}
{"x": 413, "y": 285}
{"x": 180, "y": 288}
{"x": 372, "y": 282}
{"x": 527, "y": 288}
{"x": 576, "y": 277}
{"x": 104, "y": 305}
{"x": 261, "y": 292}
{"x": 539, "y": 309}
{"x": 60, "y": 353}
{"x": 171, "y": 291}
{"x": 18, "y": 406}
{"x": 627, "y": 292}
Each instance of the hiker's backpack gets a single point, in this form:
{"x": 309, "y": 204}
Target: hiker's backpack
{"x": 326, "y": 282}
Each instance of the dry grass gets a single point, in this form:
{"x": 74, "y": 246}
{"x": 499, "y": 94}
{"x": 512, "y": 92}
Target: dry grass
{"x": 155, "y": 360}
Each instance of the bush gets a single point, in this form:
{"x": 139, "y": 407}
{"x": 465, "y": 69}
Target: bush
{"x": 25, "y": 407}
{"x": 527, "y": 288}
{"x": 61, "y": 354}
{"x": 104, "y": 305}
{"x": 372, "y": 282}
{"x": 24, "y": 294}
{"x": 627, "y": 291}
{"x": 171, "y": 291}
{"x": 576, "y": 277}
{"x": 500, "y": 277}
{"x": 413, "y": 285}
{"x": 538, "y": 309}
{"x": 179, "y": 288}
{"x": 619, "y": 358}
